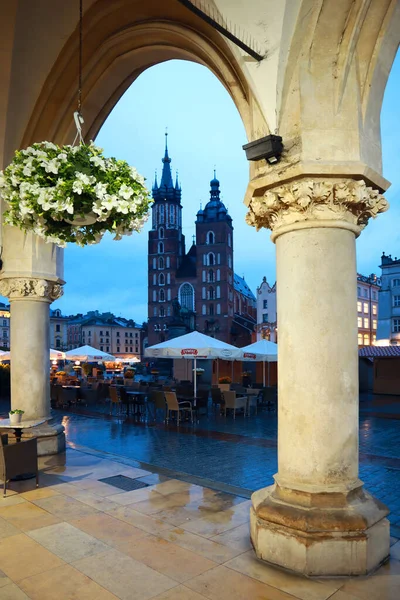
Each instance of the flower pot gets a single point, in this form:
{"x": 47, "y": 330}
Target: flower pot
{"x": 88, "y": 219}
{"x": 15, "y": 418}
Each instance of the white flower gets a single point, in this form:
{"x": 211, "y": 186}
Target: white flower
{"x": 50, "y": 145}
{"x": 2, "y": 180}
{"x": 63, "y": 157}
{"x": 100, "y": 190}
{"x": 98, "y": 162}
{"x": 27, "y": 170}
{"x": 110, "y": 202}
{"x": 77, "y": 187}
{"x": 125, "y": 191}
{"x": 50, "y": 166}
{"x": 123, "y": 207}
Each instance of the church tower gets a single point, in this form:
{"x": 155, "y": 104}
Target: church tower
{"x": 165, "y": 251}
{"x": 214, "y": 241}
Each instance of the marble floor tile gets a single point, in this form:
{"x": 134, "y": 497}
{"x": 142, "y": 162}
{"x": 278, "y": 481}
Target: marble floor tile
{"x": 137, "y": 519}
{"x": 65, "y": 507}
{"x": 225, "y": 584}
{"x": 210, "y": 525}
{"x": 200, "y": 545}
{"x": 97, "y": 487}
{"x": 157, "y": 502}
{"x": 133, "y": 496}
{"x": 11, "y": 500}
{"x": 64, "y": 583}
{"x": 68, "y": 542}
{"x": 180, "y": 593}
{"x": 238, "y": 538}
{"x": 300, "y": 587}
{"x": 176, "y": 485}
{"x": 21, "y": 557}
{"x": 167, "y": 558}
{"x": 102, "y": 503}
{"x": 123, "y": 576}
{"x": 13, "y": 592}
{"x": 39, "y": 493}
{"x": 4, "y": 580}
{"x": 109, "y": 530}
{"x": 27, "y": 516}
{"x": 382, "y": 585}
{"x": 7, "y": 529}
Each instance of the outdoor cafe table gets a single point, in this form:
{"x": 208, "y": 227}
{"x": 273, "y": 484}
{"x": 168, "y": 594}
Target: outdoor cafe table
{"x": 136, "y": 395}
{"x": 5, "y": 424}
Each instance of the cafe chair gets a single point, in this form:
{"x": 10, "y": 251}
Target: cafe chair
{"x": 179, "y": 407}
{"x": 233, "y": 402}
{"x": 17, "y": 459}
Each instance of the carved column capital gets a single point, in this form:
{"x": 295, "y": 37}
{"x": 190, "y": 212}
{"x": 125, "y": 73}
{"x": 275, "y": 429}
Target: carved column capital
{"x": 316, "y": 203}
{"x": 20, "y": 288}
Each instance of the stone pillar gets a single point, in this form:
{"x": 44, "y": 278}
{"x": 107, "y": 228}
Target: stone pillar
{"x": 317, "y": 519}
{"x": 30, "y": 299}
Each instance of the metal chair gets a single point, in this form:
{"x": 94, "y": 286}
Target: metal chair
{"x": 17, "y": 459}
{"x": 174, "y": 406}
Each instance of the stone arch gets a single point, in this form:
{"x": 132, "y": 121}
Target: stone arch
{"x": 121, "y": 41}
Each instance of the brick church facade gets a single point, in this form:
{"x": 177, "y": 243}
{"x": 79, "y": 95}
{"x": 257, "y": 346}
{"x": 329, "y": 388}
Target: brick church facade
{"x": 197, "y": 289}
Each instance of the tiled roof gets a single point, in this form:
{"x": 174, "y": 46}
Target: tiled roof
{"x": 379, "y": 351}
{"x": 241, "y": 286}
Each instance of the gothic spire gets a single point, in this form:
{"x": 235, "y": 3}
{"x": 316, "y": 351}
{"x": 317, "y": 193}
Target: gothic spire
{"x": 166, "y": 178}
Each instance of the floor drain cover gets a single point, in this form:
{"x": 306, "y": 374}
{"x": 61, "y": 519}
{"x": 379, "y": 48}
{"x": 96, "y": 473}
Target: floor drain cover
{"x": 124, "y": 483}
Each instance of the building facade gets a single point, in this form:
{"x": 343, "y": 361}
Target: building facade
{"x": 117, "y": 336}
{"x": 4, "y": 326}
{"x": 389, "y": 301}
{"x": 58, "y": 330}
{"x": 197, "y": 289}
{"x": 368, "y": 288}
{"x": 267, "y": 322}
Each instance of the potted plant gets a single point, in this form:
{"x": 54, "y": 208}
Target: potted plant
{"x": 225, "y": 379}
{"x": 73, "y": 194}
{"x": 15, "y": 416}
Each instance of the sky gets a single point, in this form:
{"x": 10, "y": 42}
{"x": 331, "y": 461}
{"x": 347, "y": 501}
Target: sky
{"x": 205, "y": 132}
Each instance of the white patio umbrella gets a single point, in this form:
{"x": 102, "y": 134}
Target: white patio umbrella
{"x": 56, "y": 354}
{"x": 88, "y": 354}
{"x": 261, "y": 351}
{"x": 194, "y": 345}
{"x": 4, "y": 355}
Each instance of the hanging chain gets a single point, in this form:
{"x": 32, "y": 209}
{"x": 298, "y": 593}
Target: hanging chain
{"x": 77, "y": 114}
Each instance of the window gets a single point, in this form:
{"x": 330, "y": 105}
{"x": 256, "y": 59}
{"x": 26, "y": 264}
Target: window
{"x": 169, "y": 294}
{"x": 211, "y": 293}
{"x": 171, "y": 214}
{"x": 211, "y": 276}
{"x": 374, "y": 337}
{"x": 366, "y": 339}
{"x": 374, "y": 295}
{"x": 366, "y": 308}
{"x": 396, "y": 300}
{"x": 126, "y": 347}
{"x": 161, "y": 279}
{"x": 161, "y": 248}
{"x": 161, "y": 209}
{"x": 168, "y": 310}
{"x": 396, "y": 325}
{"x": 154, "y": 279}
{"x": 126, "y": 334}
{"x": 365, "y": 293}
{"x": 265, "y": 318}
{"x": 374, "y": 324}
{"x": 186, "y": 296}
{"x": 204, "y": 276}
{"x": 360, "y": 339}
{"x": 210, "y": 238}
{"x": 211, "y": 259}
{"x": 229, "y": 239}
{"x": 374, "y": 309}
{"x": 58, "y": 343}
{"x": 101, "y": 340}
{"x": 162, "y": 311}
{"x": 358, "y": 291}
{"x": 117, "y": 333}
{"x": 218, "y": 291}
{"x": 230, "y": 261}
{"x": 168, "y": 279}
{"x": 4, "y": 323}
{"x": 211, "y": 310}
{"x": 154, "y": 263}
{"x": 136, "y": 334}
{"x": 118, "y": 350}
{"x": 265, "y": 304}
{"x": 161, "y": 233}
{"x": 218, "y": 259}
{"x": 359, "y": 322}
{"x": 162, "y": 296}
{"x": 204, "y": 309}
{"x": 359, "y": 306}
{"x": 101, "y": 333}
{"x": 101, "y": 348}
{"x": 130, "y": 349}
{"x": 154, "y": 297}
{"x": 203, "y": 293}
{"x": 161, "y": 263}
{"x": 58, "y": 326}
{"x": 168, "y": 262}
{"x": 395, "y": 282}
{"x": 366, "y": 323}
{"x": 130, "y": 335}
{"x": 218, "y": 309}
{"x": 218, "y": 275}
{"x": 155, "y": 311}
{"x": 108, "y": 349}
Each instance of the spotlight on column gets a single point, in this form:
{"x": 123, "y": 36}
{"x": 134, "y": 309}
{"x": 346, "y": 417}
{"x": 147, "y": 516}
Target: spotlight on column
{"x": 269, "y": 148}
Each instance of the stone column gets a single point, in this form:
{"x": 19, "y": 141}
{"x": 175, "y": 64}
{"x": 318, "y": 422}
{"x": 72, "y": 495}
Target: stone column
{"x": 30, "y": 299}
{"x": 317, "y": 518}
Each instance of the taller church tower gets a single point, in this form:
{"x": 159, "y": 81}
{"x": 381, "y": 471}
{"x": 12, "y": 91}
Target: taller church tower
{"x": 166, "y": 250}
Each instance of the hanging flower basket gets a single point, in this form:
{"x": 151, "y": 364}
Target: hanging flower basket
{"x": 73, "y": 194}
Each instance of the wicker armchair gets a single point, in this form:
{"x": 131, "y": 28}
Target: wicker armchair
{"x": 174, "y": 406}
{"x": 17, "y": 459}
{"x": 233, "y": 402}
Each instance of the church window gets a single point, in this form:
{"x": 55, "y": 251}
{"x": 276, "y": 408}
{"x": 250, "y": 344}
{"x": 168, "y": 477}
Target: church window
{"x": 204, "y": 276}
{"x": 203, "y": 293}
{"x": 168, "y": 310}
{"x": 210, "y": 238}
{"x": 161, "y": 248}
{"x": 171, "y": 215}
{"x": 162, "y": 296}
{"x": 154, "y": 296}
{"x": 186, "y": 296}
{"x": 218, "y": 309}
{"x": 168, "y": 278}
{"x": 229, "y": 239}
{"x": 211, "y": 293}
{"x": 211, "y": 310}
{"x": 162, "y": 311}
{"x": 161, "y": 279}
{"x": 218, "y": 291}
{"x": 161, "y": 233}
{"x": 154, "y": 279}
{"x": 161, "y": 213}
{"x": 155, "y": 311}
{"x": 211, "y": 259}
{"x": 161, "y": 263}
{"x": 204, "y": 309}
{"x": 218, "y": 258}
{"x": 211, "y": 276}
{"x": 218, "y": 275}
{"x": 230, "y": 261}
{"x": 204, "y": 259}
{"x": 168, "y": 262}
{"x": 169, "y": 295}
{"x": 154, "y": 263}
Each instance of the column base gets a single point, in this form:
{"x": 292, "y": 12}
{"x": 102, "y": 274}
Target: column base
{"x": 320, "y": 534}
{"x": 50, "y": 438}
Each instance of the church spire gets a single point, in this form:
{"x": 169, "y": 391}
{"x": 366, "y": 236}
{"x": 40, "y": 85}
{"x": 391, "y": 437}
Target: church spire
{"x": 165, "y": 190}
{"x": 166, "y": 178}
